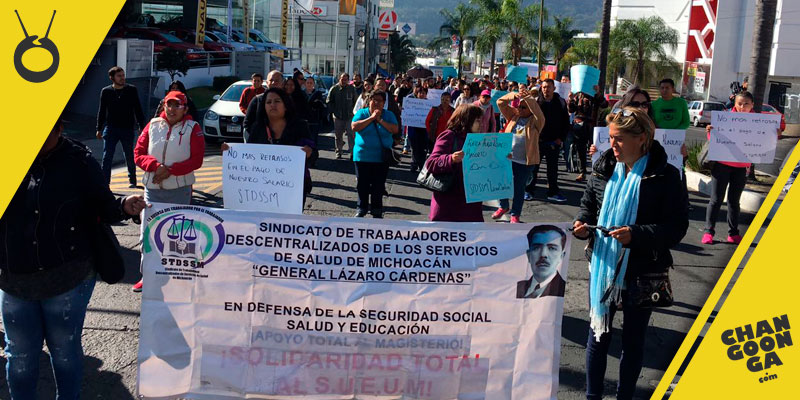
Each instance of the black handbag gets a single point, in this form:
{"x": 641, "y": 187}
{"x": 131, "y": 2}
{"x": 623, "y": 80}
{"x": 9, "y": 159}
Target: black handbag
{"x": 436, "y": 182}
{"x": 651, "y": 290}
{"x": 388, "y": 156}
{"x": 108, "y": 261}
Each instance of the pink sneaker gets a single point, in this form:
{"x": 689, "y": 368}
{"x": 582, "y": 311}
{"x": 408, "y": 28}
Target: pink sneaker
{"x": 735, "y": 239}
{"x": 137, "y": 288}
{"x": 515, "y": 219}
{"x": 499, "y": 213}
{"x": 707, "y": 238}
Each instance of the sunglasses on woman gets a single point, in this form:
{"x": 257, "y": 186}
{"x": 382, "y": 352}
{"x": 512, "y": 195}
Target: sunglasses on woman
{"x": 639, "y": 104}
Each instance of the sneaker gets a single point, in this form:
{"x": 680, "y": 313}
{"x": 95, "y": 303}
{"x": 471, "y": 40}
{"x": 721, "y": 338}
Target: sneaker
{"x": 360, "y": 213}
{"x": 137, "y": 288}
{"x": 515, "y": 219}
{"x": 557, "y": 198}
{"x": 707, "y": 238}
{"x": 580, "y": 178}
{"x": 339, "y": 156}
{"x": 528, "y": 196}
{"x": 499, "y": 213}
{"x": 735, "y": 239}
{"x": 405, "y": 152}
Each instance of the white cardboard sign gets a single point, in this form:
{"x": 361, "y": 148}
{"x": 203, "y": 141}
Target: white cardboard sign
{"x": 743, "y": 137}
{"x": 263, "y": 177}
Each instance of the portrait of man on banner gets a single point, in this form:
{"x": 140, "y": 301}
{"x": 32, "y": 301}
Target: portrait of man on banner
{"x": 546, "y": 250}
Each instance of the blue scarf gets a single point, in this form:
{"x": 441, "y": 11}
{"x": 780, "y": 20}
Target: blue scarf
{"x": 620, "y": 204}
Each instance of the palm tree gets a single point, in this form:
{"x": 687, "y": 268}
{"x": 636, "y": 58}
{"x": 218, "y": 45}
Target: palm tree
{"x": 491, "y": 25}
{"x": 560, "y": 37}
{"x": 401, "y": 52}
{"x": 762, "y": 46}
{"x": 602, "y": 55}
{"x": 644, "y": 39}
{"x": 583, "y": 51}
{"x": 521, "y": 23}
{"x": 458, "y": 24}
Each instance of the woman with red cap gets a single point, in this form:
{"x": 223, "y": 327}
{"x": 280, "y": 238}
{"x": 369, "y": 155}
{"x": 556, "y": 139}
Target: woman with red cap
{"x": 169, "y": 150}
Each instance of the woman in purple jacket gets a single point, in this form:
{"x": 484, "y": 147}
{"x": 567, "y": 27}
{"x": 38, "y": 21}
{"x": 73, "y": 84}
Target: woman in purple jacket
{"x": 446, "y": 159}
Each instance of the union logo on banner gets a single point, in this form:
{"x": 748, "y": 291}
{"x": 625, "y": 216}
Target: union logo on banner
{"x": 184, "y": 237}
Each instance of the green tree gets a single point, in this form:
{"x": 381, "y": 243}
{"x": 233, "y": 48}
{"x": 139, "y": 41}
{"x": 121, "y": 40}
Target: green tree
{"x": 644, "y": 39}
{"x": 560, "y": 36}
{"x": 173, "y": 61}
{"x": 490, "y": 22}
{"x": 458, "y": 23}
{"x": 401, "y": 52}
{"x": 521, "y": 23}
{"x": 583, "y": 51}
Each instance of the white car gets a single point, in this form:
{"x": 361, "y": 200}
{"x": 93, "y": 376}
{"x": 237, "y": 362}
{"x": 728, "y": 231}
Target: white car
{"x": 700, "y": 111}
{"x": 224, "y": 120}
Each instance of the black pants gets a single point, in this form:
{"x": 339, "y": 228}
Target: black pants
{"x": 730, "y": 178}
{"x": 581, "y": 148}
{"x": 418, "y": 139}
{"x": 371, "y": 182}
{"x": 550, "y": 153}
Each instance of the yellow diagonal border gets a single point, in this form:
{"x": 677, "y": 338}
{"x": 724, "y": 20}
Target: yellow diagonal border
{"x": 724, "y": 279}
{"x": 30, "y": 109}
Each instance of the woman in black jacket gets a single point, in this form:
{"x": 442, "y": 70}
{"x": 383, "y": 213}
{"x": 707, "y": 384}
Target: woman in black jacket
{"x": 639, "y": 197}
{"x": 271, "y": 119}
{"x": 47, "y": 262}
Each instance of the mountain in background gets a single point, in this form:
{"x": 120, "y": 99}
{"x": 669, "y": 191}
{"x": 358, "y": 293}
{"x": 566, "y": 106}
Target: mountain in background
{"x": 585, "y": 14}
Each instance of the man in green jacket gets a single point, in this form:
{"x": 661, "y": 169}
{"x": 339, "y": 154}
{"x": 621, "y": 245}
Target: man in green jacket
{"x": 670, "y": 111}
{"x": 341, "y": 100}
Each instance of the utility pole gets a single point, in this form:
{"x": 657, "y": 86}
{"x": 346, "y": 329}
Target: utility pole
{"x": 539, "y": 45}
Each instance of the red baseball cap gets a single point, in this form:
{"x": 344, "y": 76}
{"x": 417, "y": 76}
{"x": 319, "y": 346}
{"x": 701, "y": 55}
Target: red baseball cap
{"x": 486, "y": 93}
{"x": 175, "y": 95}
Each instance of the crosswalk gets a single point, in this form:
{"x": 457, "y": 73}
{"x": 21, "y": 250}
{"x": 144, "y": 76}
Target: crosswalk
{"x": 208, "y": 181}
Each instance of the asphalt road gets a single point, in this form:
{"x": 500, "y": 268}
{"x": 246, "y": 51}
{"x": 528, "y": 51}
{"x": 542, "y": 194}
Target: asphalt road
{"x": 111, "y": 330}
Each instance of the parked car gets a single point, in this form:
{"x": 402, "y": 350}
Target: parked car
{"x": 217, "y": 49}
{"x": 162, "y": 40}
{"x": 224, "y": 120}
{"x": 259, "y": 40}
{"x": 768, "y": 109}
{"x": 700, "y": 111}
{"x": 222, "y": 37}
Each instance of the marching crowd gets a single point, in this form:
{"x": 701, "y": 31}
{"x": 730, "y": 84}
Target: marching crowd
{"x": 634, "y": 207}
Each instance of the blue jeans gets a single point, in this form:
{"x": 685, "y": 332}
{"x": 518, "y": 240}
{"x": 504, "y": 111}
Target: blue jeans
{"x": 112, "y": 136}
{"x": 521, "y": 173}
{"x": 634, "y": 327}
{"x": 59, "y": 320}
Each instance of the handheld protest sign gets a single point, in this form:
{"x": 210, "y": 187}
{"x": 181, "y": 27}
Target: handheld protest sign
{"x": 743, "y": 137}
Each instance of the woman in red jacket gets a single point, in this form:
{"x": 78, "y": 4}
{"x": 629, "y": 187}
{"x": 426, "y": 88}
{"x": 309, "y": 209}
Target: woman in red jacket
{"x": 169, "y": 150}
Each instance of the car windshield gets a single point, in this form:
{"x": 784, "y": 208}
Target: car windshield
{"x": 233, "y": 93}
{"x": 713, "y": 107}
{"x": 171, "y": 38}
{"x": 221, "y": 36}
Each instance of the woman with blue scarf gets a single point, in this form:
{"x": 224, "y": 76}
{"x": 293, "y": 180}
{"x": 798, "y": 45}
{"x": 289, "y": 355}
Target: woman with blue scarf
{"x": 639, "y": 197}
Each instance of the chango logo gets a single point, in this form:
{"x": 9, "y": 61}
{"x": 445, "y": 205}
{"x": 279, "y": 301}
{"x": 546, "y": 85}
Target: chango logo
{"x": 759, "y": 342}
{"x": 183, "y": 233}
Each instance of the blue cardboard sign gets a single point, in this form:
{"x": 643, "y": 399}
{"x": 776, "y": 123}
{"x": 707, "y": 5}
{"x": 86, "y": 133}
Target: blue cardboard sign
{"x": 486, "y": 167}
{"x": 584, "y": 78}
{"x": 496, "y": 94}
{"x": 517, "y": 74}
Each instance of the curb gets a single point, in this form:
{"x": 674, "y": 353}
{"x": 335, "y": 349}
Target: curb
{"x": 697, "y": 182}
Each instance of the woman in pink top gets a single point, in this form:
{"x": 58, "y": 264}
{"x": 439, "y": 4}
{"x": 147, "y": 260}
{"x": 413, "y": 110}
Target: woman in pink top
{"x": 731, "y": 176}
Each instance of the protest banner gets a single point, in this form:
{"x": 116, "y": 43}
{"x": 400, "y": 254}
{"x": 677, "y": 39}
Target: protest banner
{"x": 435, "y": 96}
{"x": 743, "y": 137}
{"x": 533, "y": 68}
{"x": 563, "y": 89}
{"x": 449, "y": 72}
{"x": 260, "y": 177}
{"x": 496, "y": 94}
{"x": 517, "y": 74}
{"x": 672, "y": 140}
{"x": 601, "y": 142}
{"x": 487, "y": 169}
{"x": 246, "y": 304}
{"x": 584, "y": 78}
{"x": 415, "y": 111}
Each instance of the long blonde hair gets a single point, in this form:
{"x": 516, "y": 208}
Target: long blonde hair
{"x": 634, "y": 121}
